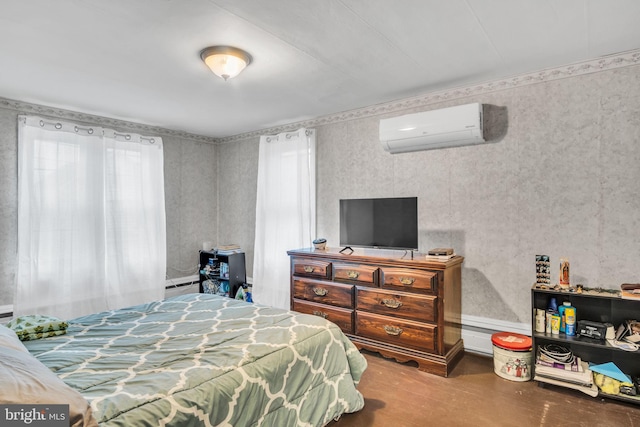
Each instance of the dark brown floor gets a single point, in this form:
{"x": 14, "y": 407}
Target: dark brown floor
{"x": 399, "y": 395}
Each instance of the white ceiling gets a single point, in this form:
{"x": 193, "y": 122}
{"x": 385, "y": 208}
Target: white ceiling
{"x": 138, "y": 60}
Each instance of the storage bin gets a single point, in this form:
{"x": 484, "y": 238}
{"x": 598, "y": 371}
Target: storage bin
{"x": 512, "y": 356}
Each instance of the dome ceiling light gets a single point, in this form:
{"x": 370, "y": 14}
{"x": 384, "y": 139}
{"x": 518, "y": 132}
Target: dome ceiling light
{"x": 225, "y": 61}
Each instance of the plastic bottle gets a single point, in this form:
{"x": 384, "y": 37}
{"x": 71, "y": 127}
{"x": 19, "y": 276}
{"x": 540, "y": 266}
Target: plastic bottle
{"x": 563, "y": 320}
{"x": 570, "y": 320}
{"x": 552, "y": 308}
{"x": 547, "y": 323}
{"x": 540, "y": 321}
{"x": 555, "y": 324}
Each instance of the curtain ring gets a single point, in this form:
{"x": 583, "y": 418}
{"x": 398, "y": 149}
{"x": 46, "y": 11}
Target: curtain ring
{"x": 89, "y": 130}
{"x": 56, "y": 125}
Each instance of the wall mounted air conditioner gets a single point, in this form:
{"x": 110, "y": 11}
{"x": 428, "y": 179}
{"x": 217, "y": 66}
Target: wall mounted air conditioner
{"x": 448, "y": 127}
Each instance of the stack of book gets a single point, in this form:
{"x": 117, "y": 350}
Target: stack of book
{"x": 440, "y": 254}
{"x": 573, "y": 373}
{"x": 229, "y": 249}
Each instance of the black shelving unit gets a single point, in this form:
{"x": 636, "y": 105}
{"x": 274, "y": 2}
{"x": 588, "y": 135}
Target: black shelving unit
{"x": 221, "y": 268}
{"x": 603, "y": 307}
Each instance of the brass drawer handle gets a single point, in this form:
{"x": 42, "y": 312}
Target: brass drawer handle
{"x": 392, "y": 303}
{"x": 308, "y": 269}
{"x": 320, "y": 291}
{"x": 321, "y": 314}
{"x": 392, "y": 330}
{"x": 351, "y": 274}
{"x": 407, "y": 280}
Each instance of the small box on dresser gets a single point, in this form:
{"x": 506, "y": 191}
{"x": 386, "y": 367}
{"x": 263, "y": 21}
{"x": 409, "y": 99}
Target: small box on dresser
{"x": 385, "y": 301}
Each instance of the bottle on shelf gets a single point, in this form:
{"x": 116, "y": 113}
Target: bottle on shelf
{"x": 567, "y": 316}
{"x": 555, "y": 324}
{"x": 540, "y": 320}
{"x": 570, "y": 320}
{"x": 561, "y": 310}
{"x": 552, "y": 308}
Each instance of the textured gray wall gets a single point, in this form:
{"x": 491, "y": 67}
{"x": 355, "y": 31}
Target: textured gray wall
{"x": 238, "y": 166}
{"x": 8, "y": 203}
{"x": 191, "y": 200}
{"x": 190, "y": 172}
{"x": 560, "y": 177}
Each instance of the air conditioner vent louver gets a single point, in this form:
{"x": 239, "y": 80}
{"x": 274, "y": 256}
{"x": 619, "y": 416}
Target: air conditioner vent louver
{"x": 447, "y": 127}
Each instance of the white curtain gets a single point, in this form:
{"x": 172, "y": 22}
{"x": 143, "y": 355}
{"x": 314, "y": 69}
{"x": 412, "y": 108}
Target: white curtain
{"x": 285, "y": 211}
{"x": 91, "y": 219}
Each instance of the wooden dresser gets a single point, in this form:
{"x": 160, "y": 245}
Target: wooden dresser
{"x": 403, "y": 308}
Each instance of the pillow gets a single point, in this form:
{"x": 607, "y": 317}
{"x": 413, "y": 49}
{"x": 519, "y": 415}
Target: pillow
{"x": 9, "y": 339}
{"x": 37, "y": 326}
{"x": 25, "y": 380}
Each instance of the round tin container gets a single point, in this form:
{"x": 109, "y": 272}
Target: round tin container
{"x": 512, "y": 358}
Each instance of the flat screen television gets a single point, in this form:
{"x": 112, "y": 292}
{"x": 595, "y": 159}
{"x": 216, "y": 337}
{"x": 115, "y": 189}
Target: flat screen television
{"x": 390, "y": 223}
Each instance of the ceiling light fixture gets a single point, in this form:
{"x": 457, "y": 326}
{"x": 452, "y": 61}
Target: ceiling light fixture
{"x": 225, "y": 61}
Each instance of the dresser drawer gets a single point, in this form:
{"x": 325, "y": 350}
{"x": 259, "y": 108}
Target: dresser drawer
{"x": 311, "y": 267}
{"x": 340, "y": 316}
{"x": 356, "y": 273}
{"x": 403, "y": 333}
{"x": 323, "y": 292}
{"x": 408, "y": 279}
{"x": 422, "y": 308}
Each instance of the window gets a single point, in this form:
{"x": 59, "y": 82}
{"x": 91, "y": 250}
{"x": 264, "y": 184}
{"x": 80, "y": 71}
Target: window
{"x": 91, "y": 218}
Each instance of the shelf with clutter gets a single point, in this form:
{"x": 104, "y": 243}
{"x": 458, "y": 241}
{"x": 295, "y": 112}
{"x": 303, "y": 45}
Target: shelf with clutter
{"x": 585, "y": 338}
{"x": 222, "y": 271}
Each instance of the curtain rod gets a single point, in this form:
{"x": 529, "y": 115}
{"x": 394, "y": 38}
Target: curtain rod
{"x": 288, "y": 135}
{"x": 90, "y": 130}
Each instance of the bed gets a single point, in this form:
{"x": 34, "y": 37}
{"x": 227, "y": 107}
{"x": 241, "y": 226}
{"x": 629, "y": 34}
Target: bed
{"x": 201, "y": 359}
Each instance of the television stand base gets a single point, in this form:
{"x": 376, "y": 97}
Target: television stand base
{"x": 349, "y": 248}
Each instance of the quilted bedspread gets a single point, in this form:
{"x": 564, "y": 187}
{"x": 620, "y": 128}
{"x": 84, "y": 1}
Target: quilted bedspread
{"x": 200, "y": 360}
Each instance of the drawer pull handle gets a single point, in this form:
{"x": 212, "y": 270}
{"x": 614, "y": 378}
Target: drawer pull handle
{"x": 392, "y": 330}
{"x": 407, "y": 280}
{"x": 392, "y": 303}
{"x": 320, "y": 291}
{"x": 321, "y": 314}
{"x": 352, "y": 274}
{"x": 308, "y": 269}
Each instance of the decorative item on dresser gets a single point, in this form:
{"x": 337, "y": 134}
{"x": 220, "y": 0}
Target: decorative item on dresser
{"x": 406, "y": 309}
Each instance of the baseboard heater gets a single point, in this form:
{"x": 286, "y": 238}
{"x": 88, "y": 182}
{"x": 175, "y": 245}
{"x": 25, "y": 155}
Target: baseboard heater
{"x": 6, "y": 313}
{"x": 477, "y": 331}
{"x": 181, "y": 281}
